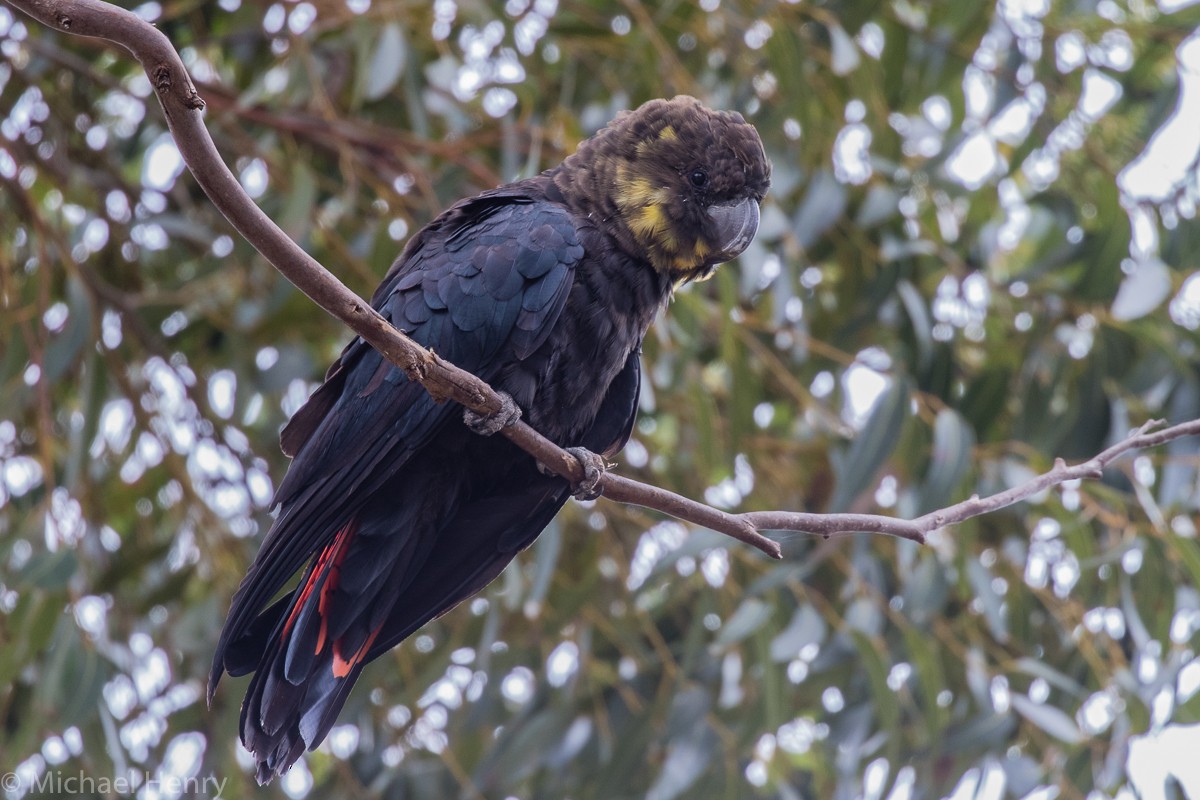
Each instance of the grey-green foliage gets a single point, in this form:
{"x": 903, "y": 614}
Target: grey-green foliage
{"x": 946, "y": 228}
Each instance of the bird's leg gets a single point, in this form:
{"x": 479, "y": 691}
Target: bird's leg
{"x": 490, "y": 424}
{"x": 594, "y": 468}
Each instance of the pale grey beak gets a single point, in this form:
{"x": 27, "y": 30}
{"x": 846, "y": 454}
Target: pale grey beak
{"x": 736, "y": 225}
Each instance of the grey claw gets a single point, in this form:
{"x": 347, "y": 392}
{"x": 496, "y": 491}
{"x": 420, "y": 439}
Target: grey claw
{"x": 491, "y": 424}
{"x": 594, "y": 468}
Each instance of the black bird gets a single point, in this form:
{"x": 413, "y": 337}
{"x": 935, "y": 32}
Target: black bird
{"x": 543, "y": 288}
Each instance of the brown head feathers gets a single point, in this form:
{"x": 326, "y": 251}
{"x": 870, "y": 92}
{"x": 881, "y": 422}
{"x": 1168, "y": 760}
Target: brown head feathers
{"x": 680, "y": 181}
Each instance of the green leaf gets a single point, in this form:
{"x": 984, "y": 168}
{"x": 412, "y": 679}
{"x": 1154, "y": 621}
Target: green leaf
{"x": 1048, "y": 718}
{"x": 84, "y": 674}
{"x": 950, "y": 461}
{"x": 823, "y": 204}
{"x": 932, "y": 679}
{"x": 1187, "y": 551}
{"x": 27, "y": 630}
{"x": 807, "y": 627}
{"x": 524, "y": 743}
{"x": 918, "y": 317}
{"x": 857, "y": 470}
{"x": 65, "y": 347}
{"x": 546, "y": 551}
{"x": 49, "y": 570}
{"x": 885, "y": 703}
{"x": 688, "y": 757}
{"x": 387, "y": 61}
{"x": 296, "y": 215}
{"x": 1040, "y": 669}
{"x": 748, "y": 618}
{"x": 993, "y": 609}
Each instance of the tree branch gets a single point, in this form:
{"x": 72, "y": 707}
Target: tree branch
{"x": 975, "y": 506}
{"x": 182, "y": 106}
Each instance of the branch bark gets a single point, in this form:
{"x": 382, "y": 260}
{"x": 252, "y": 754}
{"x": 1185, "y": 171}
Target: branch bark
{"x": 182, "y": 106}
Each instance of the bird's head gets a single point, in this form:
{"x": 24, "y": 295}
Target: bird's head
{"x": 682, "y": 181}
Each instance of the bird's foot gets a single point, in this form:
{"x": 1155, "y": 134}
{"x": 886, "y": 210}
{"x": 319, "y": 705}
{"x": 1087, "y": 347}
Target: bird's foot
{"x": 594, "y": 467}
{"x": 490, "y": 424}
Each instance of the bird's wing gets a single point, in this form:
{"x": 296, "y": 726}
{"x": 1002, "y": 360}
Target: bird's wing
{"x": 482, "y": 286}
{"x": 487, "y": 533}
{"x": 296, "y": 696}
{"x": 614, "y": 422}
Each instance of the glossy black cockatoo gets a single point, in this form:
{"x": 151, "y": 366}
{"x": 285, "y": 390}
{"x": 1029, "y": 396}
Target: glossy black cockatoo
{"x": 543, "y": 288}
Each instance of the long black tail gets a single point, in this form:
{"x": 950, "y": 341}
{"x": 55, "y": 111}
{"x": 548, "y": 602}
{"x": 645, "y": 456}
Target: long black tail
{"x": 382, "y": 576}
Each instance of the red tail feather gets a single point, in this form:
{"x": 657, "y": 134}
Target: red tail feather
{"x": 324, "y": 574}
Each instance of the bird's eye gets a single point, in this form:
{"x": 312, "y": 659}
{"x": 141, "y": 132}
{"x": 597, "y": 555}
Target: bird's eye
{"x": 699, "y": 178}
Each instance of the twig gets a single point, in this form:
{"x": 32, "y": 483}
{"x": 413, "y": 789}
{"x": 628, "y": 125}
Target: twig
{"x": 182, "y": 105}
{"x": 917, "y": 529}
{"x": 1061, "y": 472}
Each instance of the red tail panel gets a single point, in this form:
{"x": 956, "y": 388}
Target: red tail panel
{"x": 342, "y": 665}
{"x": 324, "y": 574}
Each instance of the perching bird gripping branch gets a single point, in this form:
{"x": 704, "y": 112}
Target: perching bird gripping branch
{"x": 522, "y": 241}
{"x": 182, "y": 105}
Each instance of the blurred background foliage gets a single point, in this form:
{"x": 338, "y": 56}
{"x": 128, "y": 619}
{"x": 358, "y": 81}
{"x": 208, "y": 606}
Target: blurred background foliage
{"x": 978, "y": 255}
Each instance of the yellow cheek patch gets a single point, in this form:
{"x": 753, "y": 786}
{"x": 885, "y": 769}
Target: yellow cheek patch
{"x": 635, "y": 192}
{"x": 649, "y": 222}
{"x": 643, "y": 208}
{"x": 643, "y": 205}
{"x": 686, "y": 262}
{"x": 668, "y": 134}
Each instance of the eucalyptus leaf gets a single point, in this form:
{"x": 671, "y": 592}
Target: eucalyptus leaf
{"x": 858, "y": 468}
{"x": 49, "y": 570}
{"x": 1050, "y": 719}
{"x": 806, "y": 628}
{"x": 748, "y": 618}
{"x": 984, "y": 587}
{"x": 387, "y": 61}
{"x": 824, "y": 202}
{"x": 687, "y": 759}
{"x": 918, "y": 316}
{"x": 953, "y": 443}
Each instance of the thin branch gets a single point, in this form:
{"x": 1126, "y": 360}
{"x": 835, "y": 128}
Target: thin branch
{"x": 182, "y": 105}
{"x": 975, "y": 506}
{"x": 1061, "y": 472}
